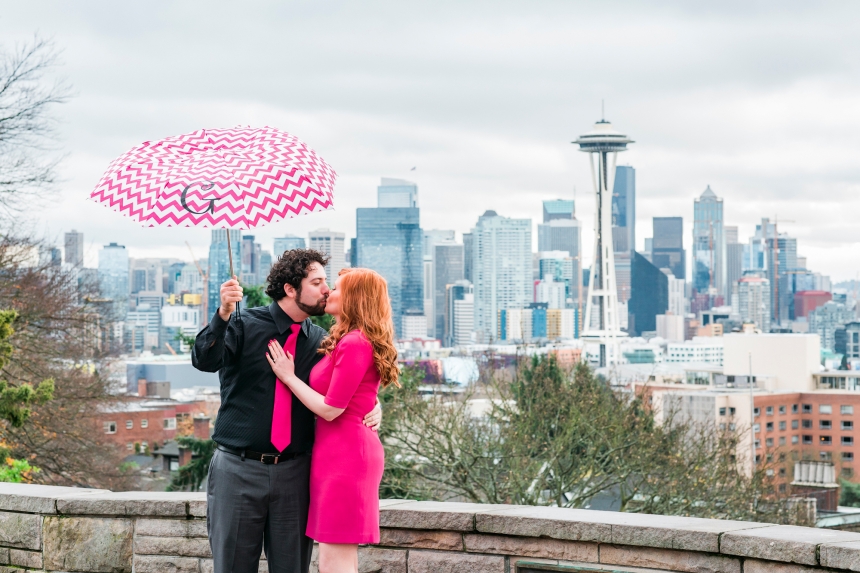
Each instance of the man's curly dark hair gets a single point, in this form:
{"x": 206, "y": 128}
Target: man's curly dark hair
{"x": 290, "y": 269}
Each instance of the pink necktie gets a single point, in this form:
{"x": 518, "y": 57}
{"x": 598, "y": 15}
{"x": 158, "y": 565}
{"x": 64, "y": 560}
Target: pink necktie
{"x": 284, "y": 399}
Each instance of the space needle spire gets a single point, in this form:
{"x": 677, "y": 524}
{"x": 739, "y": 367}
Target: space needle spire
{"x": 601, "y": 323}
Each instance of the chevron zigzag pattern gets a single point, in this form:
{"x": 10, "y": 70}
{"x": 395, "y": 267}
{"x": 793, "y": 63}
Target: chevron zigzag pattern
{"x": 237, "y": 178}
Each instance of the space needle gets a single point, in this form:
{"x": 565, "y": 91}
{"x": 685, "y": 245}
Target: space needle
{"x": 601, "y": 323}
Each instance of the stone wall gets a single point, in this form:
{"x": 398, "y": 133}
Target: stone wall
{"x": 75, "y": 530}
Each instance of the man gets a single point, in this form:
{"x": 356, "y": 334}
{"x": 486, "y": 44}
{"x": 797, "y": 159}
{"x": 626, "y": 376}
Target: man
{"x": 257, "y": 489}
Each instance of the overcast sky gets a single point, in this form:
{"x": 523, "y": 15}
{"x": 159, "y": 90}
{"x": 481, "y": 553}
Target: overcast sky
{"x": 761, "y": 101}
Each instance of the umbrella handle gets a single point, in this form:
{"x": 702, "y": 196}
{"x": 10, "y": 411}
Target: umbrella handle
{"x": 230, "y": 254}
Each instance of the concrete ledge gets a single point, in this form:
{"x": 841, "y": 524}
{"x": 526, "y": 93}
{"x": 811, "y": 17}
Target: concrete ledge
{"x": 786, "y": 543}
{"x": 38, "y": 498}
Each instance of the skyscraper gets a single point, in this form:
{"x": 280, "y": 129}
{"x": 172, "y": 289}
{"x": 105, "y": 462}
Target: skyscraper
{"x": 447, "y": 270}
{"x": 502, "y": 268}
{"x": 74, "y": 247}
{"x": 754, "y": 300}
{"x": 250, "y": 273}
{"x": 460, "y": 313}
{"x": 113, "y": 277}
{"x": 650, "y": 295}
{"x": 709, "y": 245}
{"x": 219, "y": 264}
{"x": 624, "y": 209}
{"x": 433, "y": 237}
{"x": 561, "y": 235}
{"x": 468, "y": 243}
{"x": 558, "y": 209}
{"x": 389, "y": 241}
{"x": 667, "y": 245}
{"x": 333, "y": 244}
{"x": 734, "y": 258}
{"x": 288, "y": 243}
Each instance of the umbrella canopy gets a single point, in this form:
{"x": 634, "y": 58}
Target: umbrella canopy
{"x": 237, "y": 178}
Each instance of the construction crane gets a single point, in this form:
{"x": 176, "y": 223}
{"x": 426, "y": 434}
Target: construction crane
{"x": 205, "y": 277}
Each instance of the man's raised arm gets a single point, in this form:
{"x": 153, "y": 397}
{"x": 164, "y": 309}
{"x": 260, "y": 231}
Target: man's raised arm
{"x": 218, "y": 343}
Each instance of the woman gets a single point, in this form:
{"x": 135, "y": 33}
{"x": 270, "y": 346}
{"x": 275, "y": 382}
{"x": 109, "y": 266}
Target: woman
{"x": 347, "y": 459}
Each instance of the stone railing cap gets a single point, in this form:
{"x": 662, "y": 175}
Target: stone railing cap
{"x": 789, "y": 543}
{"x": 32, "y": 498}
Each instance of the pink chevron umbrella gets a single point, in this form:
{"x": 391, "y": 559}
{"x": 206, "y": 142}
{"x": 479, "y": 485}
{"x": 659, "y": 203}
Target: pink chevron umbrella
{"x": 237, "y": 178}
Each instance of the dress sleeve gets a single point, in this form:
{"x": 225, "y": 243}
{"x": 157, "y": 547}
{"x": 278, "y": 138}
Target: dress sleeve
{"x": 353, "y": 357}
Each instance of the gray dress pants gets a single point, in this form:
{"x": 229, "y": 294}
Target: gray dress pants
{"x": 250, "y": 502}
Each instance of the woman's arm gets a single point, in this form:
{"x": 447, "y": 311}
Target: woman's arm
{"x": 284, "y": 368}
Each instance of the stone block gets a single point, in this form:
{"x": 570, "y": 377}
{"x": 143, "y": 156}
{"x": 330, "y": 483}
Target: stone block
{"x": 21, "y": 530}
{"x": 207, "y": 566}
{"x": 390, "y": 502}
{"x": 129, "y": 503}
{"x": 170, "y": 528}
{"x": 181, "y": 546}
{"x": 433, "y": 515}
{"x": 88, "y": 544}
{"x": 30, "y": 498}
{"x": 673, "y": 532}
{"x": 421, "y": 538}
{"x": 378, "y": 560}
{"x": 531, "y": 547}
{"x": 756, "y": 566}
{"x": 159, "y": 564}
{"x": 552, "y": 522}
{"x": 197, "y": 504}
{"x": 671, "y": 559}
{"x": 840, "y": 555}
{"x": 788, "y": 543}
{"x": 30, "y": 559}
{"x": 4, "y": 556}
{"x": 445, "y": 562}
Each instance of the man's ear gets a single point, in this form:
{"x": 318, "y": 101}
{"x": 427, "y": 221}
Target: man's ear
{"x": 289, "y": 291}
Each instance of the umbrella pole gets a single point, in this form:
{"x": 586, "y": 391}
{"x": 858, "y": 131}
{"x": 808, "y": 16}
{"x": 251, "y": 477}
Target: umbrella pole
{"x": 230, "y": 254}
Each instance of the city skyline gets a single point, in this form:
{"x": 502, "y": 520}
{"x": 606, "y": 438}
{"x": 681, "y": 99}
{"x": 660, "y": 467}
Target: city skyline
{"x": 488, "y": 140}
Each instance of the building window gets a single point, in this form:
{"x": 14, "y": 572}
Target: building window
{"x": 807, "y": 408}
{"x": 782, "y": 425}
{"x": 732, "y": 411}
{"x": 769, "y": 426}
{"x": 110, "y": 427}
{"x": 782, "y": 488}
{"x": 129, "y": 446}
{"x": 722, "y": 411}
{"x": 847, "y": 440}
{"x": 824, "y": 425}
{"x": 807, "y": 439}
{"x": 756, "y": 411}
{"x": 794, "y": 440}
{"x": 825, "y": 409}
{"x": 756, "y": 428}
{"x": 825, "y": 440}
{"x": 722, "y": 427}
{"x": 769, "y": 442}
{"x": 846, "y": 409}
{"x": 794, "y": 408}
{"x": 174, "y": 465}
{"x": 170, "y": 423}
{"x": 769, "y": 410}
{"x": 807, "y": 423}
{"x": 847, "y": 455}
{"x": 782, "y": 471}
{"x": 732, "y": 427}
{"x": 825, "y": 456}
{"x": 782, "y": 440}
{"x": 794, "y": 424}
{"x": 782, "y": 409}
{"x": 847, "y": 425}
{"x": 144, "y": 424}
{"x": 847, "y": 472}
{"x": 757, "y": 444}
{"x": 129, "y": 424}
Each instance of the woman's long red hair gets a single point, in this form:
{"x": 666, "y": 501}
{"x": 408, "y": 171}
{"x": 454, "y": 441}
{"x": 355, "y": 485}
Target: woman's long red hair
{"x": 364, "y": 305}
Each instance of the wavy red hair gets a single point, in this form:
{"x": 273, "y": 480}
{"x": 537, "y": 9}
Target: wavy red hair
{"x": 364, "y": 305}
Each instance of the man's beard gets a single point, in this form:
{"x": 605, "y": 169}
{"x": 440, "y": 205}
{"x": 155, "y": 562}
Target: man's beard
{"x": 317, "y": 309}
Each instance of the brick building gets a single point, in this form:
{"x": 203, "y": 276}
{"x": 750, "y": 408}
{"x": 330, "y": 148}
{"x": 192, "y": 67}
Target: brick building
{"x": 146, "y": 423}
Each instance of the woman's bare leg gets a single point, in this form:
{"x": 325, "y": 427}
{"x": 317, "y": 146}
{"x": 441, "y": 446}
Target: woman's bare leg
{"x": 338, "y": 558}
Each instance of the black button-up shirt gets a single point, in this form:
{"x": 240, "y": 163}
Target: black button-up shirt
{"x": 237, "y": 351}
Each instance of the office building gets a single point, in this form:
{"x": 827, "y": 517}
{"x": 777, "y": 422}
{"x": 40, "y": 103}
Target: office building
{"x": 806, "y": 301}
{"x": 332, "y": 244}
{"x": 397, "y": 194}
{"x": 709, "y": 245}
{"x": 734, "y": 257}
{"x": 558, "y": 209}
{"x": 754, "y": 301}
{"x": 670, "y": 327}
{"x": 219, "y": 264}
{"x": 288, "y": 243}
{"x": 561, "y": 235}
{"x": 551, "y": 292}
{"x": 623, "y": 281}
{"x": 468, "y": 243}
{"x": 826, "y": 319}
{"x": 143, "y": 329}
{"x": 847, "y": 340}
{"x": 113, "y": 278}
{"x": 563, "y": 268}
{"x": 74, "y": 248}
{"x": 50, "y": 257}
{"x": 250, "y": 267}
{"x": 413, "y": 325}
{"x": 179, "y": 319}
{"x": 562, "y": 323}
{"x": 460, "y": 315}
{"x": 677, "y": 288}
{"x": 447, "y": 270}
{"x": 389, "y": 241}
{"x": 432, "y": 238}
{"x": 624, "y": 209}
{"x": 667, "y": 245}
{"x": 502, "y": 269}
{"x": 650, "y": 296}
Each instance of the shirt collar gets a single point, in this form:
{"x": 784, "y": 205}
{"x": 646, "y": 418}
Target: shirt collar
{"x": 283, "y": 320}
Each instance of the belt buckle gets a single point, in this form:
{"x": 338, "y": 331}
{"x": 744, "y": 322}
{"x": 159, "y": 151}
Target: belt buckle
{"x": 272, "y": 457}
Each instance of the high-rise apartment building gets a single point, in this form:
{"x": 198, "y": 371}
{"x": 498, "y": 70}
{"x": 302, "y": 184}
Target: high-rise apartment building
{"x": 288, "y": 243}
{"x": 754, "y": 300}
{"x": 113, "y": 278}
{"x": 624, "y": 209}
{"x": 827, "y": 319}
{"x": 667, "y": 245}
{"x": 219, "y": 264}
{"x": 460, "y": 313}
{"x": 552, "y": 293}
{"x": 502, "y": 269}
{"x": 389, "y": 241}
{"x": 565, "y": 269}
{"x": 332, "y": 244}
{"x": 74, "y": 247}
{"x": 709, "y": 245}
{"x": 650, "y": 296}
{"x": 447, "y": 270}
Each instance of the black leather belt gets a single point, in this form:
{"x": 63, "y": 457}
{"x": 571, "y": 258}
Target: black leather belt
{"x": 267, "y": 459}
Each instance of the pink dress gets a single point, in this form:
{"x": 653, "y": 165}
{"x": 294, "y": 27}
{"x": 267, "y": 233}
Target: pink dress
{"x": 347, "y": 459}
